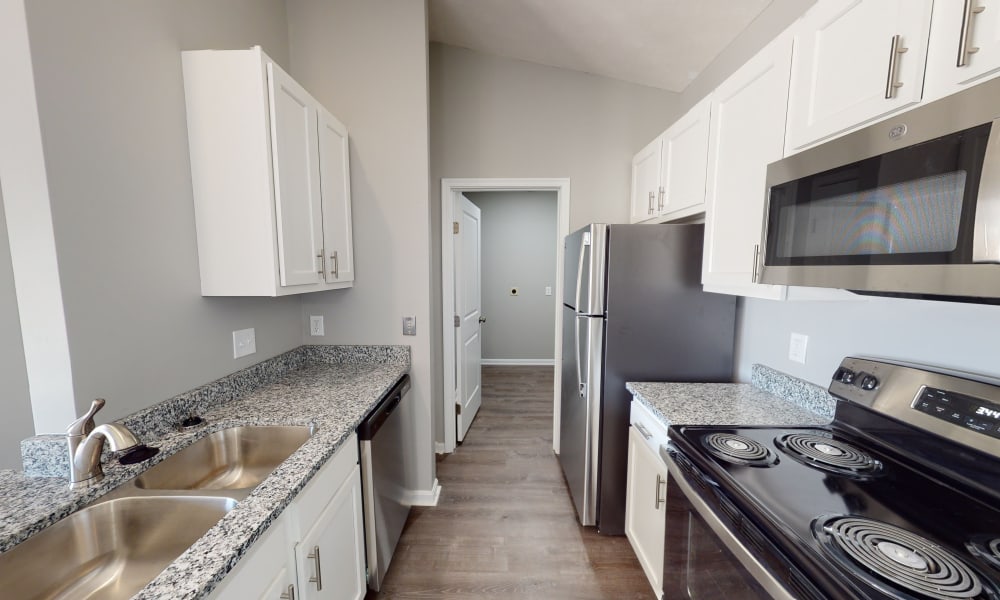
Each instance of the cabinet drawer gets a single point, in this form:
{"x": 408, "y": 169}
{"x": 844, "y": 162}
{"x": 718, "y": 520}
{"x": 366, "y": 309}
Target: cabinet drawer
{"x": 652, "y": 431}
{"x": 317, "y": 493}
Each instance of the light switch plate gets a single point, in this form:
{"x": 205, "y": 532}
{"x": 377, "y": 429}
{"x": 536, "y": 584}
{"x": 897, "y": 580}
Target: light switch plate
{"x": 244, "y": 343}
{"x": 409, "y": 326}
{"x": 797, "y": 347}
{"x": 548, "y": 290}
{"x": 316, "y": 325}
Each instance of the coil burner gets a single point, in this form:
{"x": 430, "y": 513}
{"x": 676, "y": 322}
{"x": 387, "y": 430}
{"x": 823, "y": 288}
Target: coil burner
{"x": 739, "y": 450}
{"x": 987, "y": 548}
{"x": 894, "y": 560}
{"x": 820, "y": 450}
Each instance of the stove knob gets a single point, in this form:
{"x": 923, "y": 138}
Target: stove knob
{"x": 869, "y": 382}
{"x": 844, "y": 375}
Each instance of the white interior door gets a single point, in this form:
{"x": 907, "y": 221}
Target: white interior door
{"x": 468, "y": 307}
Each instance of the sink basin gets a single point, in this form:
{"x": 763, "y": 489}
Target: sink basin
{"x": 109, "y": 550}
{"x": 237, "y": 458}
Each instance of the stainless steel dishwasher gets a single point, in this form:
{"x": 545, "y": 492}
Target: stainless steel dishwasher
{"x": 383, "y": 480}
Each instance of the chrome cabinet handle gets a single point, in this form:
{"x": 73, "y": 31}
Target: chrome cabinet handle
{"x": 288, "y": 594}
{"x": 336, "y": 265}
{"x": 660, "y": 482}
{"x": 891, "y": 85}
{"x": 651, "y": 201}
{"x": 965, "y": 36}
{"x": 663, "y": 194}
{"x": 642, "y": 430}
{"x": 318, "y": 579}
{"x": 322, "y": 263}
{"x": 756, "y": 257}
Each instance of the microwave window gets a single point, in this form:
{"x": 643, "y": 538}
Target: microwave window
{"x": 914, "y": 216}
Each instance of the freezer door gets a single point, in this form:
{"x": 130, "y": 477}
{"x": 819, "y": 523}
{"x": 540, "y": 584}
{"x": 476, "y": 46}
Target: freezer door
{"x": 584, "y": 271}
{"x": 580, "y": 405}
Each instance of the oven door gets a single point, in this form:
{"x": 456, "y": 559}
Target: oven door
{"x": 704, "y": 557}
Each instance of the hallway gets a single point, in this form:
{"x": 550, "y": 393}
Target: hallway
{"x": 505, "y": 526}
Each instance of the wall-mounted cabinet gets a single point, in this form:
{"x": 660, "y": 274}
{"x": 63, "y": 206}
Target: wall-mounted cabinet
{"x": 747, "y": 133}
{"x": 855, "y": 61}
{"x": 668, "y": 175}
{"x": 316, "y": 548}
{"x": 964, "y": 48}
{"x": 271, "y": 179}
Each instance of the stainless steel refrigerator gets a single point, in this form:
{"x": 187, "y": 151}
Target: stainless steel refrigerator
{"x": 633, "y": 310}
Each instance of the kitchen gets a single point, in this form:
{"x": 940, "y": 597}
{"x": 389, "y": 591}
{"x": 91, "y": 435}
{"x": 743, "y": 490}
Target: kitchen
{"x": 121, "y": 250}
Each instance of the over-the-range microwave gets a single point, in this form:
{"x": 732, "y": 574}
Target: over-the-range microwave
{"x": 906, "y": 207}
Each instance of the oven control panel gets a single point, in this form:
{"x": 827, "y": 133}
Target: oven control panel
{"x": 966, "y": 411}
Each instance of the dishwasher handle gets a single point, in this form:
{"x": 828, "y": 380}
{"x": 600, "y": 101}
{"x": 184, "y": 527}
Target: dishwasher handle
{"x": 385, "y": 407}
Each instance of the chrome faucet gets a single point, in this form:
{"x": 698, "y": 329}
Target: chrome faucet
{"x": 86, "y": 443}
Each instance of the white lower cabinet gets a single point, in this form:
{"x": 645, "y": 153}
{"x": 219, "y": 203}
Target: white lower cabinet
{"x": 316, "y": 548}
{"x": 646, "y": 495}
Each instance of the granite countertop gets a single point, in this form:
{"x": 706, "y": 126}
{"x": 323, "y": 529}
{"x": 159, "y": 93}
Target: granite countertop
{"x": 773, "y": 398}
{"x": 335, "y": 396}
{"x": 720, "y": 404}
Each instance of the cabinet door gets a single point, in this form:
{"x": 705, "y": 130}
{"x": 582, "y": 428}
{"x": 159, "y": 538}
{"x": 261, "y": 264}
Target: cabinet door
{"x": 335, "y": 186}
{"x": 964, "y": 48}
{"x": 747, "y": 133}
{"x": 295, "y": 158}
{"x": 684, "y": 162}
{"x": 855, "y": 61}
{"x": 330, "y": 557}
{"x": 645, "y": 508}
{"x": 645, "y": 182}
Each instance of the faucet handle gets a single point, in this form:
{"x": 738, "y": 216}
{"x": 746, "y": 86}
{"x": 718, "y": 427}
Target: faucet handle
{"x": 85, "y": 424}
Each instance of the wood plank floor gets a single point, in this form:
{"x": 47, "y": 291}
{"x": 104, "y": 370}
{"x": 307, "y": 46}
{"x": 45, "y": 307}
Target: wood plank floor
{"x": 505, "y": 526}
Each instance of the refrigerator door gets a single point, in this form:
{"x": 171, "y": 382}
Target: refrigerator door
{"x": 583, "y": 278}
{"x": 580, "y": 404}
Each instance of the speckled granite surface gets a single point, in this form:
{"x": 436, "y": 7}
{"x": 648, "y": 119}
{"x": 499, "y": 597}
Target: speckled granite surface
{"x": 331, "y": 387}
{"x": 803, "y": 393}
{"x": 733, "y": 403}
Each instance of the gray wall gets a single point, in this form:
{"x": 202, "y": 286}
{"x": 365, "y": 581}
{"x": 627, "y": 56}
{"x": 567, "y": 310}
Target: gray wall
{"x": 14, "y": 402}
{"x": 497, "y": 117}
{"x": 366, "y": 61}
{"x": 519, "y": 231}
{"x": 111, "y": 105}
{"x": 957, "y": 336}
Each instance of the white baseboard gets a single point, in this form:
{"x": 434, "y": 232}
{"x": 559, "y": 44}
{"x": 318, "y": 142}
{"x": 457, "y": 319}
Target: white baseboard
{"x": 425, "y": 497}
{"x": 439, "y": 448}
{"x": 520, "y": 362}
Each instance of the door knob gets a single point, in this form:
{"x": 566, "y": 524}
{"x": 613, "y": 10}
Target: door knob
{"x": 482, "y": 319}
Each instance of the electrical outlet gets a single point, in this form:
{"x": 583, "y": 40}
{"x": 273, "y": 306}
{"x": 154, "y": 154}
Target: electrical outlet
{"x": 316, "y": 325}
{"x": 409, "y": 326}
{"x": 548, "y": 290}
{"x": 514, "y": 291}
{"x": 797, "y": 347}
{"x": 244, "y": 343}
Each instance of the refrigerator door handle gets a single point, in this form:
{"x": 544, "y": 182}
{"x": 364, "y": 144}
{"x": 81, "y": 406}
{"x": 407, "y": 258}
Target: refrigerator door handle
{"x": 584, "y": 245}
{"x": 579, "y": 360}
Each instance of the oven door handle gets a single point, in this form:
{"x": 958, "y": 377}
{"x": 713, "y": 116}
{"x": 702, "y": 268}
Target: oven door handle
{"x": 756, "y": 569}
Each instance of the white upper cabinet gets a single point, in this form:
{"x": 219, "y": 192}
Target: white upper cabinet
{"x": 684, "y": 161}
{"x": 965, "y": 46}
{"x": 855, "y": 61}
{"x": 668, "y": 175}
{"x": 646, "y": 182}
{"x": 747, "y": 133}
{"x": 270, "y": 176}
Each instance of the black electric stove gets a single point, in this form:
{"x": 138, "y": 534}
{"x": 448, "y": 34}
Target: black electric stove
{"x": 899, "y": 497}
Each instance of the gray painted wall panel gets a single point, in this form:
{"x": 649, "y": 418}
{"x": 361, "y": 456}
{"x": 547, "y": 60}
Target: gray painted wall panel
{"x": 16, "y": 423}
{"x": 519, "y": 231}
{"x": 111, "y": 104}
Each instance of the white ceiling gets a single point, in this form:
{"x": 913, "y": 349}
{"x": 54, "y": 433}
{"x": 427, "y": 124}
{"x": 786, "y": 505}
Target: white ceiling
{"x": 659, "y": 43}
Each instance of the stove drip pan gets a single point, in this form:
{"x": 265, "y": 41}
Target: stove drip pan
{"x": 739, "y": 450}
{"x": 820, "y": 450}
{"x": 898, "y": 562}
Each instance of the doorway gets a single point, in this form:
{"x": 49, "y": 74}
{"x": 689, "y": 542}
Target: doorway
{"x": 458, "y": 389}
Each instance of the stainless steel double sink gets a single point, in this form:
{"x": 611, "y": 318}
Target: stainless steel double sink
{"x": 112, "y": 548}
